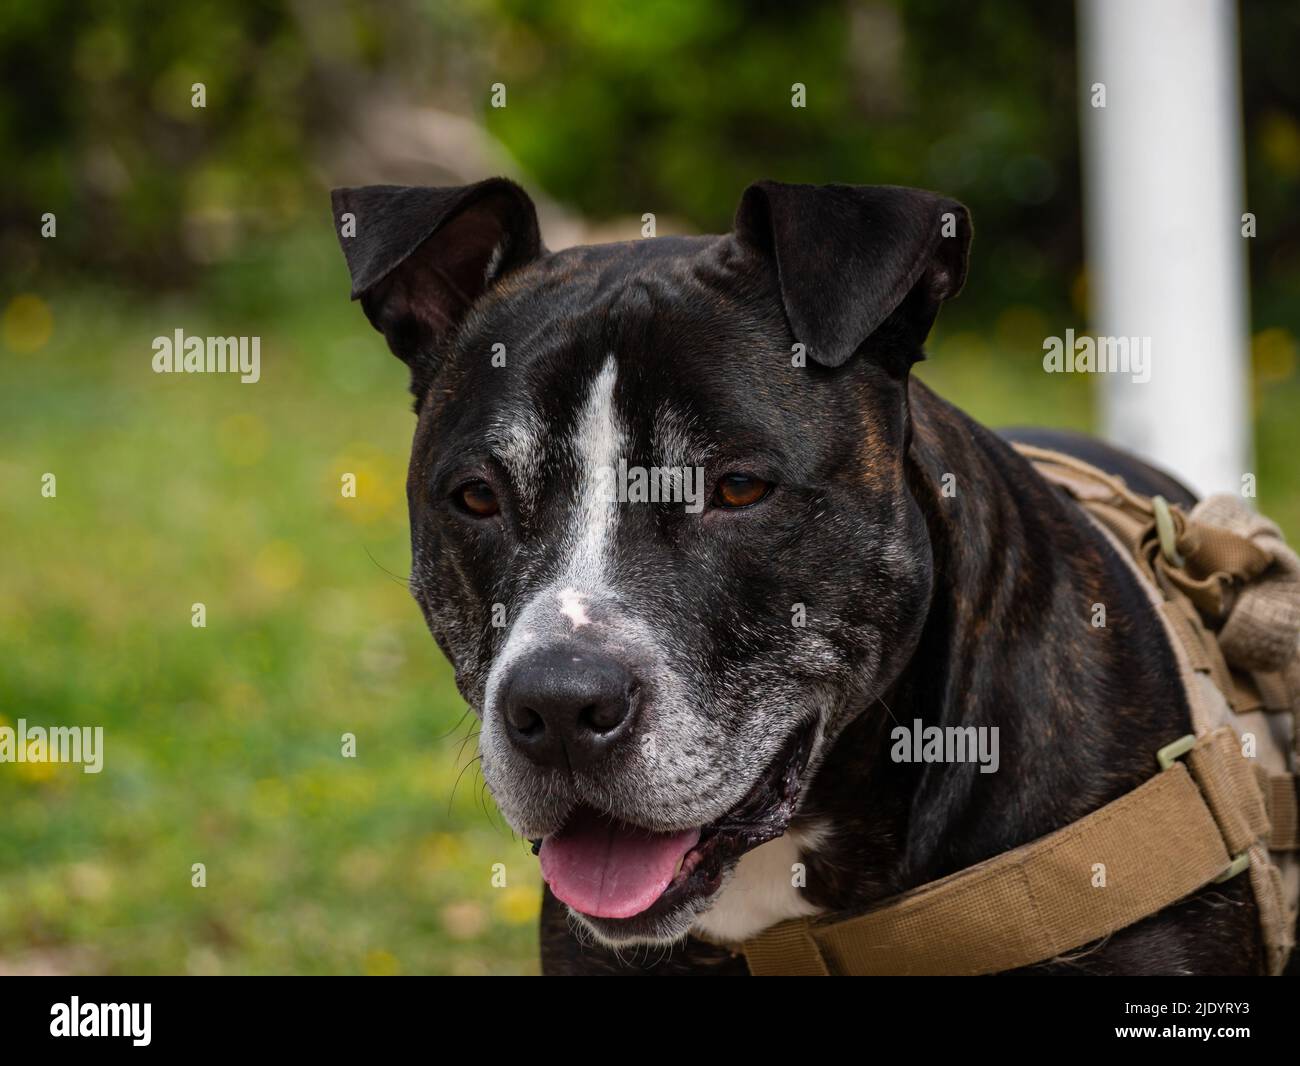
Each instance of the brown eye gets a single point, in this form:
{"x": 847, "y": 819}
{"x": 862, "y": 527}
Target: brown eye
{"x": 477, "y": 498}
{"x": 740, "y": 490}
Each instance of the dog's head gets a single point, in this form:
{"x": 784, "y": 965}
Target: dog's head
{"x": 659, "y": 517}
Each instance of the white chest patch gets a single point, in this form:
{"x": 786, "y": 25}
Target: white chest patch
{"x": 762, "y": 891}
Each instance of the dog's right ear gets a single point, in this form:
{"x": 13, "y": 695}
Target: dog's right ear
{"x": 421, "y": 257}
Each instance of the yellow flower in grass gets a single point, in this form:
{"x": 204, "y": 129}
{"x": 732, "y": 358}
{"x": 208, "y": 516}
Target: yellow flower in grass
{"x": 242, "y": 439}
{"x": 381, "y": 963}
{"x": 36, "y": 771}
{"x": 519, "y": 905}
{"x": 36, "y": 764}
{"x": 366, "y": 483}
{"x": 278, "y": 566}
{"x": 28, "y": 324}
{"x": 1273, "y": 353}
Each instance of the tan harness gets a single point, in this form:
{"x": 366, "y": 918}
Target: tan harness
{"x": 1223, "y": 802}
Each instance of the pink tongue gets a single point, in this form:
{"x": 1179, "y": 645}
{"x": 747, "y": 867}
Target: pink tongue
{"x": 608, "y": 870}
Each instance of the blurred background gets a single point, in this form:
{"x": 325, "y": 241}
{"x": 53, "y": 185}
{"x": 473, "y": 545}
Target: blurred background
{"x": 223, "y": 743}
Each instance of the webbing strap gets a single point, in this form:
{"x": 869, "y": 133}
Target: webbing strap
{"x": 1228, "y": 783}
{"x": 786, "y": 950}
{"x": 1282, "y": 794}
{"x": 1121, "y": 863}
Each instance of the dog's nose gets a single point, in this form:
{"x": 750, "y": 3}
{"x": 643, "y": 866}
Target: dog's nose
{"x": 568, "y": 708}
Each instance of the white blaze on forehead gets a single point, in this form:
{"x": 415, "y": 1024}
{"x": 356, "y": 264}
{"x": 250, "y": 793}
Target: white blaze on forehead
{"x": 595, "y": 448}
{"x": 597, "y": 445}
{"x": 571, "y": 607}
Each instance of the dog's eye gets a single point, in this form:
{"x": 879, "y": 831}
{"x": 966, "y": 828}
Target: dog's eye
{"x": 477, "y": 498}
{"x": 740, "y": 490}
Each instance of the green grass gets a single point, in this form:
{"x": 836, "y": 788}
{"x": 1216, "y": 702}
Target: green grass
{"x": 223, "y": 743}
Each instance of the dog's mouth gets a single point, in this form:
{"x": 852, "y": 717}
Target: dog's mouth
{"x": 625, "y": 875}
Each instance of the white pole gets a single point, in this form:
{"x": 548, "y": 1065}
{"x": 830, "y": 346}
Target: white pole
{"x": 1166, "y": 258}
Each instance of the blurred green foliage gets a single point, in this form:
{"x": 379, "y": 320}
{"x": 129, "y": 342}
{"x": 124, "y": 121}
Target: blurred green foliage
{"x": 614, "y": 108}
{"x": 675, "y": 107}
{"x": 96, "y": 117}
{"x": 223, "y": 743}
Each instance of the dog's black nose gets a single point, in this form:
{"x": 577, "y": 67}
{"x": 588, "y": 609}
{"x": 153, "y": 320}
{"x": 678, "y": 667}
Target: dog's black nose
{"x": 567, "y": 707}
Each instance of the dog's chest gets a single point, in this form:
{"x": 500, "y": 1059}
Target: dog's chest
{"x": 766, "y": 888}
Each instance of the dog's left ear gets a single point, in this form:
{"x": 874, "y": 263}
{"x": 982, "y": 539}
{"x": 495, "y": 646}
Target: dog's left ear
{"x": 852, "y": 259}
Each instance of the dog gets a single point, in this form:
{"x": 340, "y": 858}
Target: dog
{"x": 680, "y": 705}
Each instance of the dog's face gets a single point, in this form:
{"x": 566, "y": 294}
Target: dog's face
{"x": 659, "y": 517}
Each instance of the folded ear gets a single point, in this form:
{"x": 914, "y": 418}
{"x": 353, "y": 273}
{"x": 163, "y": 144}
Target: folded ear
{"x": 421, "y": 257}
{"x": 853, "y": 258}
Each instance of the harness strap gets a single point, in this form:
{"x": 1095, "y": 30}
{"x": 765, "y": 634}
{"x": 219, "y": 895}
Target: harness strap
{"x": 1282, "y": 795}
{"x": 1170, "y": 836}
{"x": 786, "y": 950}
{"x": 1231, "y": 585}
{"x": 1227, "y": 589}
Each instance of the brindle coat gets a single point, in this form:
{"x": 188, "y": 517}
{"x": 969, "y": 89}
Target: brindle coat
{"x": 970, "y": 608}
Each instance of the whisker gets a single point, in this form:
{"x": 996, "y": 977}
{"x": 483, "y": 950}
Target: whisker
{"x": 492, "y": 819}
{"x": 456, "y": 784}
{"x": 404, "y": 582}
{"x": 457, "y": 725}
{"x": 468, "y": 737}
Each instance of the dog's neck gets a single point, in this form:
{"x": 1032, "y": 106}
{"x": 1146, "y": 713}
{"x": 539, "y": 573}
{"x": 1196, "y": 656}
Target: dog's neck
{"x": 1009, "y": 643}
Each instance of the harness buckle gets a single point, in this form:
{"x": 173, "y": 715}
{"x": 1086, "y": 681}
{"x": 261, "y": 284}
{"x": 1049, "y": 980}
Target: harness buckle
{"x": 1239, "y": 863}
{"x": 1175, "y": 750}
{"x": 1165, "y": 530}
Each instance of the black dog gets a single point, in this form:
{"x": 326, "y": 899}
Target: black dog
{"x": 823, "y": 548}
